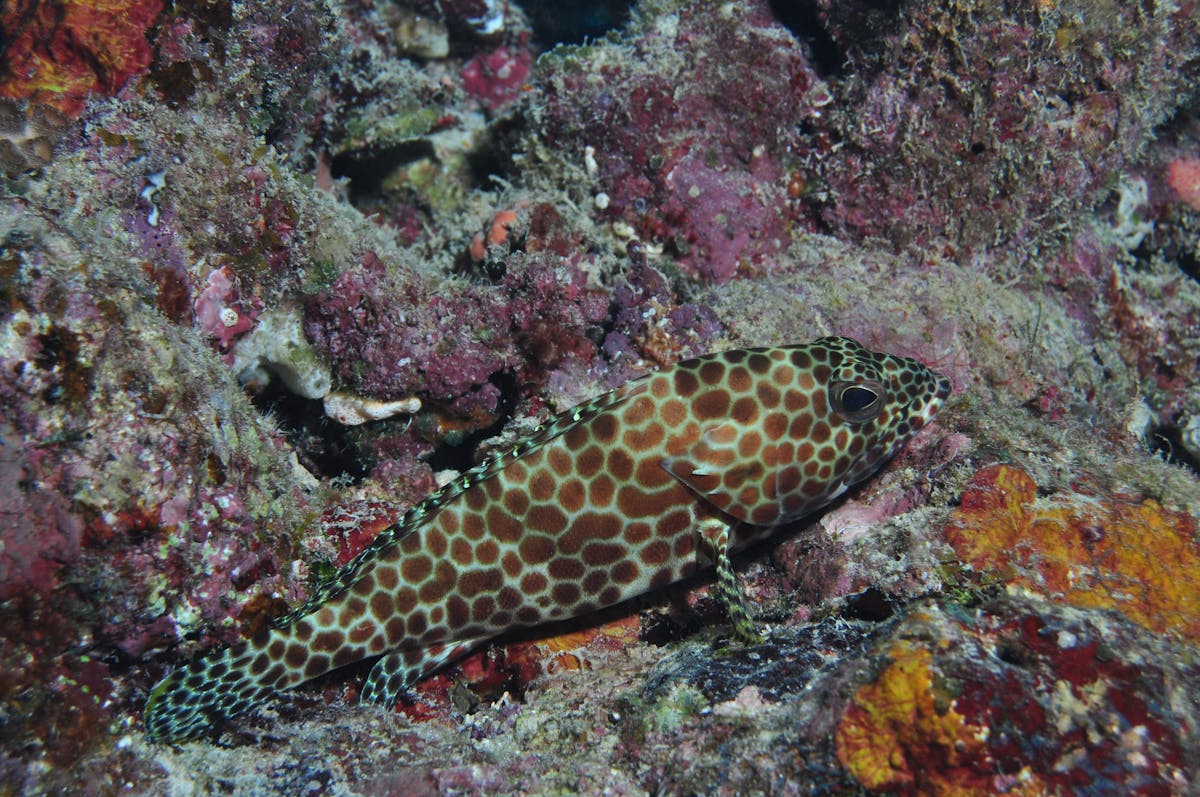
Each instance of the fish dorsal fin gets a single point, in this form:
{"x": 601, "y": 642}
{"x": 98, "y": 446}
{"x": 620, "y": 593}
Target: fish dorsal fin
{"x": 741, "y": 486}
{"x": 419, "y": 514}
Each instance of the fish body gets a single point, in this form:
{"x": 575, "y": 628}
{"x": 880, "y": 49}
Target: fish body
{"x": 626, "y": 493}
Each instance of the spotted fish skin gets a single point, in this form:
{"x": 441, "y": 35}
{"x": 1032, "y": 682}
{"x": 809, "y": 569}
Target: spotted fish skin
{"x": 624, "y": 494}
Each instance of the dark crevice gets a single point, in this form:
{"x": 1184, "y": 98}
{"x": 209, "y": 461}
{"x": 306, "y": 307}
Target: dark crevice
{"x": 494, "y": 155}
{"x": 1190, "y": 263}
{"x": 555, "y": 22}
{"x": 871, "y": 605}
{"x": 803, "y": 19}
{"x": 322, "y": 446}
{"x": 462, "y": 454}
{"x": 367, "y": 169}
{"x": 1167, "y": 442}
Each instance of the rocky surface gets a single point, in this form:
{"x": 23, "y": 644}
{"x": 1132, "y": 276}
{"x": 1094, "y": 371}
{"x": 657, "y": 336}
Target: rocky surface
{"x": 477, "y": 213}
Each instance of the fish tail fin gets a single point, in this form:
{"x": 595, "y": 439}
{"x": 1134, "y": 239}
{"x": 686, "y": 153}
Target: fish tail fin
{"x": 195, "y": 698}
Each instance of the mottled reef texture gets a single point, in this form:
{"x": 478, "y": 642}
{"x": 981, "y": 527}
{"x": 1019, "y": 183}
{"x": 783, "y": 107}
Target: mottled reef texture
{"x": 226, "y": 225}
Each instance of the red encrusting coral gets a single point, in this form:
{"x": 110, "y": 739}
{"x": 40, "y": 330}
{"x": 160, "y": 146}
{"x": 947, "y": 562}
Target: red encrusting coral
{"x": 1183, "y": 175}
{"x": 221, "y": 313}
{"x": 57, "y": 53}
{"x": 1009, "y": 702}
{"x": 497, "y": 78}
{"x": 352, "y": 527}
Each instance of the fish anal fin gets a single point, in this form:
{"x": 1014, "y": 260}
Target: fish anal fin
{"x": 397, "y": 671}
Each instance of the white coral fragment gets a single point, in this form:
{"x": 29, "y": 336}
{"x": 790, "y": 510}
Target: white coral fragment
{"x": 1130, "y": 227}
{"x": 351, "y": 410}
{"x": 278, "y": 345}
{"x": 421, "y": 35}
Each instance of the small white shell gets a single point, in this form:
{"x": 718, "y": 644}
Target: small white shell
{"x": 1140, "y": 423}
{"x": 1189, "y": 436}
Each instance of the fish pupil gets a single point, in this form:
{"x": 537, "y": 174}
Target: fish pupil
{"x": 856, "y": 402}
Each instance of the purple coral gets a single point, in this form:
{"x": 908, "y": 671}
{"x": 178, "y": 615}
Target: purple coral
{"x": 41, "y": 533}
{"x": 689, "y": 150}
{"x": 651, "y": 323}
{"x": 391, "y": 334}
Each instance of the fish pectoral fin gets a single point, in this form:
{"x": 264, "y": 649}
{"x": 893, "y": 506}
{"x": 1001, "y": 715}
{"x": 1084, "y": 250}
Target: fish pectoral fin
{"x": 713, "y": 536}
{"x": 742, "y": 486}
{"x": 397, "y": 671}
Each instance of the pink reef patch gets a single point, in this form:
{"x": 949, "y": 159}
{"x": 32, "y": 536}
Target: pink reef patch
{"x": 496, "y": 78}
{"x": 220, "y": 312}
{"x": 40, "y": 533}
{"x": 1183, "y": 175}
{"x": 690, "y": 152}
{"x": 733, "y": 216}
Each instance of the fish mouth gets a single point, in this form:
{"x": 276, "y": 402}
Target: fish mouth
{"x": 941, "y": 391}
{"x": 944, "y": 388}
{"x": 925, "y": 409}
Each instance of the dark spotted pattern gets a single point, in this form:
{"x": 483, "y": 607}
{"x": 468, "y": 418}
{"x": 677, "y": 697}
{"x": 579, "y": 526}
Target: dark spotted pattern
{"x": 603, "y": 503}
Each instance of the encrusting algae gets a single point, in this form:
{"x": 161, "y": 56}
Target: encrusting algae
{"x": 1136, "y": 557}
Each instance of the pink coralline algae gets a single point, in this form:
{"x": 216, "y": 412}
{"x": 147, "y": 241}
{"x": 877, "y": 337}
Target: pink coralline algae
{"x": 393, "y": 334}
{"x": 1183, "y": 175}
{"x": 219, "y": 311}
{"x": 40, "y": 531}
{"x": 688, "y": 150}
{"x": 497, "y": 78}
{"x": 125, "y": 517}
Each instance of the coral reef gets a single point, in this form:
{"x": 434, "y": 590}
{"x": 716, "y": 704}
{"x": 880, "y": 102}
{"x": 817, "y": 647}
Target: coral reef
{"x": 685, "y": 153}
{"x": 944, "y": 133}
{"x": 230, "y": 229}
{"x": 452, "y": 344}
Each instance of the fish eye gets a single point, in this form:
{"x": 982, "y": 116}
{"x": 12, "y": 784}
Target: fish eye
{"x": 857, "y": 401}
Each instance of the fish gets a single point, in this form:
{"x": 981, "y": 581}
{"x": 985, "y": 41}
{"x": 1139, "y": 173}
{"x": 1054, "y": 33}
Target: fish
{"x": 626, "y": 493}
